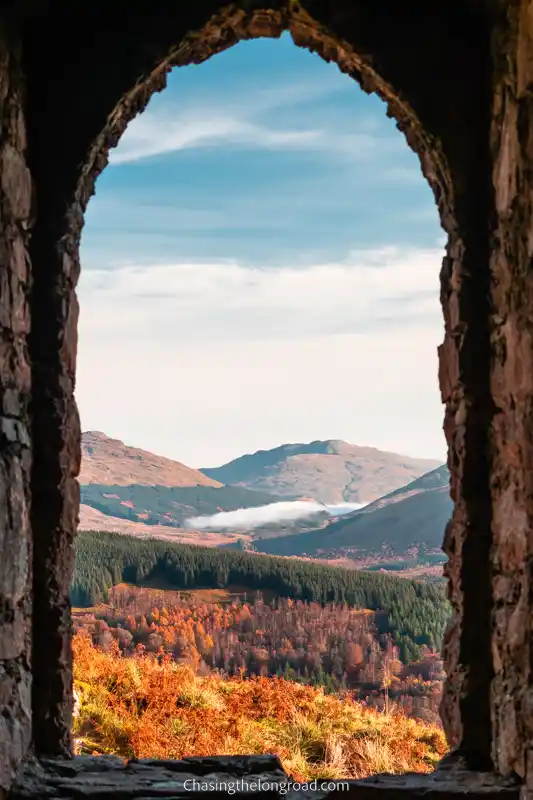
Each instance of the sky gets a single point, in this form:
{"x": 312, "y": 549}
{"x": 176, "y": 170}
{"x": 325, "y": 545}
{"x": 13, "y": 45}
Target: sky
{"x": 260, "y": 265}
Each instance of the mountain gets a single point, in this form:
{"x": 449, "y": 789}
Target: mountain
{"x": 111, "y": 462}
{"x": 129, "y": 487}
{"x": 168, "y": 505}
{"x": 437, "y": 479}
{"x": 415, "y": 514}
{"x": 330, "y": 471}
{"x": 128, "y": 484}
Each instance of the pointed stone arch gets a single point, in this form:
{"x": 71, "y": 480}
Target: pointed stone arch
{"x": 456, "y": 78}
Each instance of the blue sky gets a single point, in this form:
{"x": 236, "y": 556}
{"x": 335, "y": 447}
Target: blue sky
{"x": 260, "y": 265}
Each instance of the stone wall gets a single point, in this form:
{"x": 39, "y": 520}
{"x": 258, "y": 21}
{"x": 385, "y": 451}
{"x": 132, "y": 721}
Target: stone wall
{"x": 458, "y": 78}
{"x": 99, "y": 75}
{"x": 512, "y": 390}
{"x": 443, "y": 110}
{"x": 15, "y": 548}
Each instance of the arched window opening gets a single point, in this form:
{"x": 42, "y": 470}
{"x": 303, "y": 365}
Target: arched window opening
{"x": 260, "y": 267}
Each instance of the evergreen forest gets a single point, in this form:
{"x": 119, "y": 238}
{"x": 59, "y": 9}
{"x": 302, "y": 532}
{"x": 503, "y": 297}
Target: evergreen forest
{"x": 414, "y": 614}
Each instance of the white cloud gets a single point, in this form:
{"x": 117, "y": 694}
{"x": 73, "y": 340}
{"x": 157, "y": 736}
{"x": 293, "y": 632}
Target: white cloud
{"x": 249, "y": 518}
{"x": 157, "y": 134}
{"x": 203, "y": 362}
{"x": 384, "y": 288}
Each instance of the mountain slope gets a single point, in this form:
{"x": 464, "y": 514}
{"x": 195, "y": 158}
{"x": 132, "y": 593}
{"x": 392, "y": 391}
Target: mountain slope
{"x": 128, "y": 484}
{"x": 93, "y": 520}
{"x": 111, "y": 462}
{"x": 330, "y": 471}
{"x": 168, "y": 505}
{"x": 412, "y": 515}
{"x": 436, "y": 479}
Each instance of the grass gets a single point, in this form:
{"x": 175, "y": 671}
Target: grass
{"x": 136, "y": 707}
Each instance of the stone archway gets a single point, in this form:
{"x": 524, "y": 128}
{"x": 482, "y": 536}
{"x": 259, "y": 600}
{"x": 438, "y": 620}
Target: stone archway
{"x": 221, "y": 30}
{"x": 86, "y": 70}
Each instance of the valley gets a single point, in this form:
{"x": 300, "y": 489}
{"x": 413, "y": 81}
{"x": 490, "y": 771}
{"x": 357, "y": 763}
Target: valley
{"x": 350, "y": 522}
{"x": 409, "y": 518}
{"x": 234, "y": 613}
{"x": 207, "y": 593}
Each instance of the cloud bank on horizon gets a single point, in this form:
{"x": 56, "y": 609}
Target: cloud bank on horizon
{"x": 371, "y": 291}
{"x": 260, "y": 265}
{"x": 271, "y": 513}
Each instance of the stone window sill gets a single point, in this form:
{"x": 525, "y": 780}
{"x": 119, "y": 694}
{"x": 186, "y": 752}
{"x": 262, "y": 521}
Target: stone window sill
{"x": 109, "y": 778}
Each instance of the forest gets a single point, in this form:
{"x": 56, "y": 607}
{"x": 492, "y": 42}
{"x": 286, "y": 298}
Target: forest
{"x": 413, "y": 614}
{"x": 332, "y": 646}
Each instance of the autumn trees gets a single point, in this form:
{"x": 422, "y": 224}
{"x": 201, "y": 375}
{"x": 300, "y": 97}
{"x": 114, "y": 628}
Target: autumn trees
{"x": 414, "y": 614}
{"x": 333, "y": 645}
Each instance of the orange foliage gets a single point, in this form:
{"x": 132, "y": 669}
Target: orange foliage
{"x": 141, "y": 706}
{"x": 336, "y": 646}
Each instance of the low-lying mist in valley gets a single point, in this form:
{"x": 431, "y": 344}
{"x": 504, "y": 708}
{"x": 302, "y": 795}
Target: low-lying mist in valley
{"x": 286, "y": 511}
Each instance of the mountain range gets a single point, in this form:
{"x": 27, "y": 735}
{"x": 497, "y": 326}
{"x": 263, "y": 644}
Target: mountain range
{"x": 414, "y": 515}
{"x": 330, "y": 471}
{"x": 130, "y": 490}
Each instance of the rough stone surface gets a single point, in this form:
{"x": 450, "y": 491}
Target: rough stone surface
{"x": 15, "y": 545}
{"x": 431, "y": 106}
{"x": 458, "y": 78}
{"x": 245, "y": 776}
{"x": 512, "y": 391}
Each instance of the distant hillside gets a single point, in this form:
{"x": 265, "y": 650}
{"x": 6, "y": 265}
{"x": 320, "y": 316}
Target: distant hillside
{"x": 168, "y": 505}
{"x": 416, "y": 614}
{"x": 130, "y": 485}
{"x": 436, "y": 479}
{"x": 93, "y": 520}
{"x": 113, "y": 463}
{"x": 330, "y": 471}
{"x": 412, "y": 515}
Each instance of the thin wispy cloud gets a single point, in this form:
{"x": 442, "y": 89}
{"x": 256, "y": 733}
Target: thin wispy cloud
{"x": 157, "y": 135}
{"x": 249, "y": 121}
{"x": 152, "y": 137}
